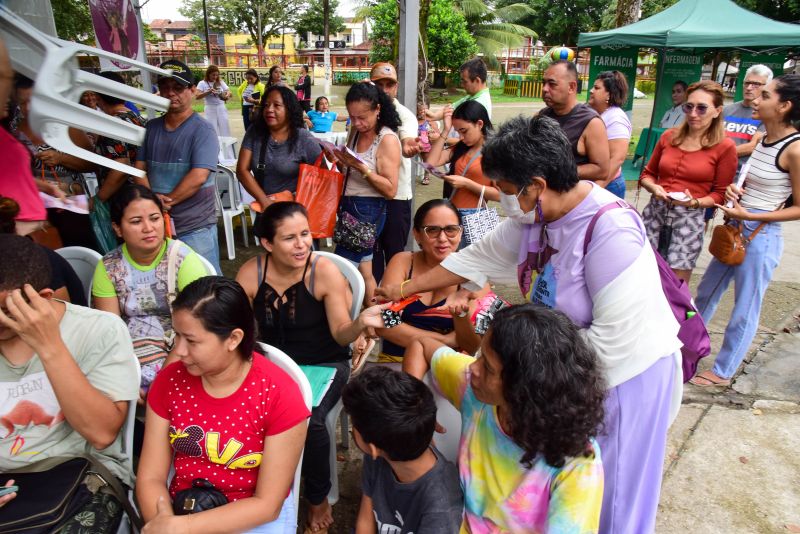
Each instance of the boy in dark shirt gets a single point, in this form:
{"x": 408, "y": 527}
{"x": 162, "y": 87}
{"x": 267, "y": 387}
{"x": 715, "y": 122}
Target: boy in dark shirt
{"x": 408, "y": 486}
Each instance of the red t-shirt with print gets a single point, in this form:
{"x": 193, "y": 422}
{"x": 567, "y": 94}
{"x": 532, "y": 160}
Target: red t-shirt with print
{"x": 222, "y": 440}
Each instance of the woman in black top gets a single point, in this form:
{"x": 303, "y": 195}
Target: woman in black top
{"x": 301, "y": 303}
{"x": 303, "y": 88}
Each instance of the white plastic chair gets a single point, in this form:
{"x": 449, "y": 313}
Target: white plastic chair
{"x": 450, "y": 419}
{"x": 54, "y": 107}
{"x": 229, "y": 205}
{"x": 207, "y": 264}
{"x": 127, "y": 447}
{"x": 282, "y": 360}
{"x": 83, "y": 261}
{"x": 358, "y": 288}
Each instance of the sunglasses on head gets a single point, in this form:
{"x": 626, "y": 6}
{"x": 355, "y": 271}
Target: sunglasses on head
{"x": 701, "y": 108}
{"x": 451, "y": 230}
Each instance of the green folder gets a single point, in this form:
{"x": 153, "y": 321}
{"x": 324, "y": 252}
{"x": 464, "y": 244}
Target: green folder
{"x": 320, "y": 377}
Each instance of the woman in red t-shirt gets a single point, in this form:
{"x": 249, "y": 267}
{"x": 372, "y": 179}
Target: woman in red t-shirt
{"x": 224, "y": 414}
{"x": 689, "y": 170}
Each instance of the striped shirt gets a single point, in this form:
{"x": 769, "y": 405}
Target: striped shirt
{"x": 768, "y": 185}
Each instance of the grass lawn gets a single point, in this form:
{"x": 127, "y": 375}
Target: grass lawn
{"x": 233, "y": 104}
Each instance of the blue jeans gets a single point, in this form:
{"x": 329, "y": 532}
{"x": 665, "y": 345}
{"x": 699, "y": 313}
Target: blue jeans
{"x": 750, "y": 279}
{"x": 286, "y": 523}
{"x": 365, "y": 209}
{"x": 205, "y": 242}
{"x": 617, "y": 186}
{"x": 246, "y": 116}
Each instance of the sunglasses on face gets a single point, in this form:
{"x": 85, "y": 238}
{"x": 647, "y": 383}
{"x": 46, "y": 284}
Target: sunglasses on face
{"x": 433, "y": 232}
{"x": 689, "y": 108}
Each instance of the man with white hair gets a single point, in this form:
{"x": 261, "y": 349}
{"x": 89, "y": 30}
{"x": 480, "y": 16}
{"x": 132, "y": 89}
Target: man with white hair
{"x": 740, "y": 125}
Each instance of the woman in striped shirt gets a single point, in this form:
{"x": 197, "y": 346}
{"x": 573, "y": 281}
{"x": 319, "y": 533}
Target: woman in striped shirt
{"x": 761, "y": 205}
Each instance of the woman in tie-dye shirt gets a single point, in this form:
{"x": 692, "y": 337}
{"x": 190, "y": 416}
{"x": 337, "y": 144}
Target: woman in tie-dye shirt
{"x": 530, "y": 406}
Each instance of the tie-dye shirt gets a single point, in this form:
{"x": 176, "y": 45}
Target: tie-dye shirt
{"x": 500, "y": 494}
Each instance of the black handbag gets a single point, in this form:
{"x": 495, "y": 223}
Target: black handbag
{"x": 52, "y": 491}
{"x": 200, "y": 496}
{"x": 665, "y": 235}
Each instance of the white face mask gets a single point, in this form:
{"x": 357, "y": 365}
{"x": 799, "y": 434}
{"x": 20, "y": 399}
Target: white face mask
{"x": 510, "y": 204}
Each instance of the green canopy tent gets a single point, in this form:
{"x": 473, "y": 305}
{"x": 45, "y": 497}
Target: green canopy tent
{"x": 699, "y": 25}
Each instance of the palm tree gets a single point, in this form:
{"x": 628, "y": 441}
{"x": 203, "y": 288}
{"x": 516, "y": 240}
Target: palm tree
{"x": 495, "y": 28}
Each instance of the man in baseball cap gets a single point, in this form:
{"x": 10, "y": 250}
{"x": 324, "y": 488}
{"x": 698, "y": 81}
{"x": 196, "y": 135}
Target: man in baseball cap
{"x": 179, "y": 155}
{"x": 398, "y": 217}
{"x": 180, "y": 72}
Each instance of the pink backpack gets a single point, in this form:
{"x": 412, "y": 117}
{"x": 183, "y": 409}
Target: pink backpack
{"x": 692, "y": 332}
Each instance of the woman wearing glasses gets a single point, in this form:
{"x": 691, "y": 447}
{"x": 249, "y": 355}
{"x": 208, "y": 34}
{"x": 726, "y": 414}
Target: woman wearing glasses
{"x": 437, "y": 230}
{"x": 689, "y": 170}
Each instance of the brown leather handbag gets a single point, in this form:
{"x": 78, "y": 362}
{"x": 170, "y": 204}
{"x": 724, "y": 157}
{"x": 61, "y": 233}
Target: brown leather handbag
{"x": 728, "y": 244}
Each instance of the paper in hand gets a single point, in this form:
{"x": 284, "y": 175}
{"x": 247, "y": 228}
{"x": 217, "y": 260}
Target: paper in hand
{"x": 76, "y": 204}
{"x": 433, "y": 170}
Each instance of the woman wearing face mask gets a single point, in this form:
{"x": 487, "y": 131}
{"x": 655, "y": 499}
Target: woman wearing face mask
{"x": 471, "y": 121}
{"x": 611, "y": 289}
{"x": 689, "y": 170}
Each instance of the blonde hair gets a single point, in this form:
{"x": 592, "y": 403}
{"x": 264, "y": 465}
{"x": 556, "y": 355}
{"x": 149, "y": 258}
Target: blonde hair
{"x": 715, "y": 132}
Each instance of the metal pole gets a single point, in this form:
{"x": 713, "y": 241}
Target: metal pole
{"x": 408, "y": 47}
{"x": 208, "y": 39}
{"x": 147, "y": 83}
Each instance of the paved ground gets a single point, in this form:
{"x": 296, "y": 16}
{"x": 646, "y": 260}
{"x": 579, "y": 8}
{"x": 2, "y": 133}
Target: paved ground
{"x": 732, "y": 464}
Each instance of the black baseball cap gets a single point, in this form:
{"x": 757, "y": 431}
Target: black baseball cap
{"x": 180, "y": 72}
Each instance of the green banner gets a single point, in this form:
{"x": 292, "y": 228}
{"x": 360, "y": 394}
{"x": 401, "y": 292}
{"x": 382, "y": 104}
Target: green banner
{"x": 678, "y": 65}
{"x": 773, "y": 61}
{"x": 614, "y": 58}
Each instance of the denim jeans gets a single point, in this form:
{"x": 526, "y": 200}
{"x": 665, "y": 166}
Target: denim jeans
{"x": 365, "y": 209}
{"x": 286, "y": 523}
{"x": 205, "y": 242}
{"x": 617, "y": 186}
{"x": 750, "y": 279}
{"x": 246, "y": 116}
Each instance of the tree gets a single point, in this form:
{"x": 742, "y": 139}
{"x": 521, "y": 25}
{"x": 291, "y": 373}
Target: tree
{"x": 782, "y": 10}
{"x": 149, "y": 35}
{"x": 247, "y": 16}
{"x": 627, "y": 12}
{"x": 496, "y": 25}
{"x": 649, "y": 8}
{"x": 449, "y": 40}
{"x": 312, "y": 20}
{"x": 559, "y": 22}
{"x": 73, "y": 20}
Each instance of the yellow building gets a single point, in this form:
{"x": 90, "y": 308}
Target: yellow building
{"x": 241, "y": 52}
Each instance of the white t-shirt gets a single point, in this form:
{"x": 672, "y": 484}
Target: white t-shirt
{"x": 408, "y": 128}
{"x": 212, "y": 99}
{"x": 34, "y": 425}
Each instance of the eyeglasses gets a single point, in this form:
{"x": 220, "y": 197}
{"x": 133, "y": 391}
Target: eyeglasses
{"x": 433, "y": 232}
{"x": 754, "y": 84}
{"x": 689, "y": 108}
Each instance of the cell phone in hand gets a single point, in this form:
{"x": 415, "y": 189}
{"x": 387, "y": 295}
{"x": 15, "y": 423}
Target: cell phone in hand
{"x": 6, "y": 490}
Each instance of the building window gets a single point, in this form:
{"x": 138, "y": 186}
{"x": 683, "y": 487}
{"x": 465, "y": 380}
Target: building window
{"x": 276, "y": 46}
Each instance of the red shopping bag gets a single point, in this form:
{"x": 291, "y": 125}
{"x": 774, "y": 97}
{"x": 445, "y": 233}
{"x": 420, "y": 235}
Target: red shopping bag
{"x": 319, "y": 189}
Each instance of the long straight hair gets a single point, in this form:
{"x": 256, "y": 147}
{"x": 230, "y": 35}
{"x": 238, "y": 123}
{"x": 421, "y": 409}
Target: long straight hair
{"x": 470, "y": 111}
{"x": 715, "y": 132}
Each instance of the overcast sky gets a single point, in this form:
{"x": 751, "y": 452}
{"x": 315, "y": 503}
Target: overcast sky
{"x": 168, "y": 9}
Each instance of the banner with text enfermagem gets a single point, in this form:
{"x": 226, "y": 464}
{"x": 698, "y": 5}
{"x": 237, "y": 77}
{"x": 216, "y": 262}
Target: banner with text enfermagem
{"x": 773, "y": 61}
{"x": 614, "y": 58}
{"x": 678, "y": 66}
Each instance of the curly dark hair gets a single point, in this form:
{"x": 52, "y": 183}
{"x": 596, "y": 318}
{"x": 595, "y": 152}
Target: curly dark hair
{"x": 369, "y": 92}
{"x": 294, "y": 113}
{"x": 552, "y": 382}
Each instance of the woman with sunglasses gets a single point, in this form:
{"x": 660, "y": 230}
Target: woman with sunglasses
{"x": 597, "y": 268}
{"x": 768, "y": 197}
{"x": 689, "y": 170}
{"x": 437, "y": 231}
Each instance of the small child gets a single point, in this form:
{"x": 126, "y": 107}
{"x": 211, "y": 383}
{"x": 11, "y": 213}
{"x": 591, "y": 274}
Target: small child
{"x": 407, "y": 485}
